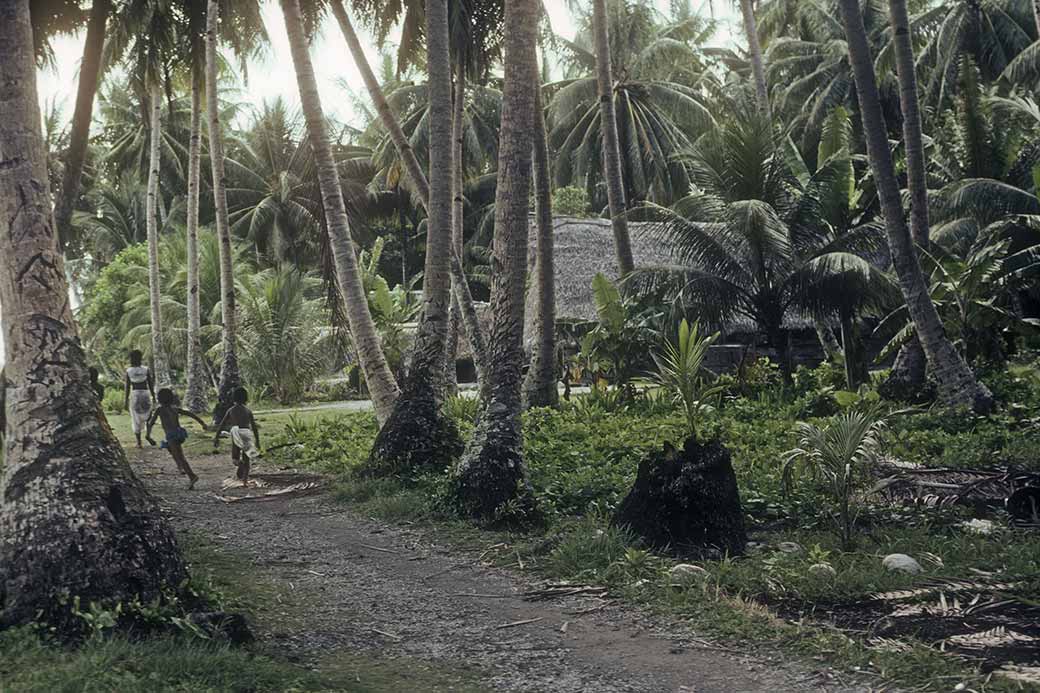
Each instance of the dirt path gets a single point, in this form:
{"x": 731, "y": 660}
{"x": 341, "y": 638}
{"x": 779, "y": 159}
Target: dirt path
{"x": 364, "y": 586}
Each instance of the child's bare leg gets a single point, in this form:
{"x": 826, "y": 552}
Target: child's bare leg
{"x": 138, "y": 436}
{"x": 243, "y": 470}
{"x": 182, "y": 463}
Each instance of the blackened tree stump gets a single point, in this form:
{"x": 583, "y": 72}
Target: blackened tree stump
{"x": 686, "y": 501}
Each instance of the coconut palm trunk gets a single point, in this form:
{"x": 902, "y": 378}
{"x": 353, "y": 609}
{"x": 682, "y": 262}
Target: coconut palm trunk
{"x": 162, "y": 373}
{"x": 611, "y": 144}
{"x": 957, "y": 384}
{"x": 230, "y": 377}
{"x": 74, "y": 520}
{"x": 79, "y": 136}
{"x": 457, "y": 210}
{"x": 908, "y": 372}
{"x": 540, "y": 386}
{"x": 491, "y": 473}
{"x": 758, "y": 70}
{"x": 195, "y": 394}
{"x": 380, "y": 381}
{"x": 418, "y": 434}
{"x": 470, "y": 320}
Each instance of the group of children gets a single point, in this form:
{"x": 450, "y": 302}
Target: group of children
{"x": 238, "y": 421}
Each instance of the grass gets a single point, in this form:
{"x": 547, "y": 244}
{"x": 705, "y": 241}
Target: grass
{"x": 582, "y": 460}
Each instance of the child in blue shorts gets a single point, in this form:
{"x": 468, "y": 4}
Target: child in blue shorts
{"x": 169, "y": 414}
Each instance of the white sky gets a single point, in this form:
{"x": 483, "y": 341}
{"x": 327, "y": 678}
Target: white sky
{"x": 273, "y": 75}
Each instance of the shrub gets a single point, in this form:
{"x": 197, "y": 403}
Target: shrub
{"x": 570, "y": 202}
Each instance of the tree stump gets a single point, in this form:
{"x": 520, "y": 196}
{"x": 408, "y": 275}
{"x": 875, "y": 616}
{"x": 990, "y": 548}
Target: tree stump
{"x": 686, "y": 501}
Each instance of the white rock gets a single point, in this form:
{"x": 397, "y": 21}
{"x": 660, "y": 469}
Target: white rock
{"x": 822, "y": 570}
{"x": 686, "y": 574}
{"x": 902, "y": 563}
{"x": 790, "y": 547}
{"x": 977, "y": 526}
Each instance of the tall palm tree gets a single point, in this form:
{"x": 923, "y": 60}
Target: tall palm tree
{"x": 758, "y": 70}
{"x": 195, "y": 391}
{"x": 230, "y": 378}
{"x": 540, "y": 388}
{"x": 89, "y": 73}
{"x": 417, "y": 433}
{"x": 957, "y": 384}
{"x": 159, "y": 363}
{"x": 611, "y": 144}
{"x": 380, "y": 380}
{"x": 660, "y": 102}
{"x": 400, "y": 141}
{"x": 75, "y": 519}
{"x": 491, "y": 473}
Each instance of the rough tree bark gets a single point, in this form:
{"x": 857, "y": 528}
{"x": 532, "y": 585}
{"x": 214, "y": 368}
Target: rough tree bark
{"x": 458, "y": 208}
{"x": 540, "y": 386}
{"x": 611, "y": 145}
{"x": 230, "y": 377}
{"x": 758, "y": 69}
{"x": 956, "y": 382}
{"x": 490, "y": 480}
{"x": 380, "y": 381}
{"x": 74, "y": 521}
{"x": 195, "y": 394}
{"x": 417, "y": 434}
{"x": 159, "y": 366}
{"x": 415, "y": 173}
{"x": 909, "y": 371}
{"x": 79, "y": 135}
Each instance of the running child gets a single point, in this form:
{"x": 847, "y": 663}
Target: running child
{"x": 169, "y": 414}
{"x": 245, "y": 435}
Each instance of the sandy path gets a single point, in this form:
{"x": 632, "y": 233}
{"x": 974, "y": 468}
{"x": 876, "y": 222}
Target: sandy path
{"x": 391, "y": 591}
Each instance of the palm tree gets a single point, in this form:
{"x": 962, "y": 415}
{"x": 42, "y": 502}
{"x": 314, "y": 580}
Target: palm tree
{"x": 747, "y": 13}
{"x": 229, "y": 374}
{"x": 195, "y": 390}
{"x": 957, "y": 384}
{"x": 611, "y": 144}
{"x": 660, "y": 100}
{"x": 159, "y": 364}
{"x": 753, "y": 241}
{"x": 417, "y": 433}
{"x": 378, "y": 377}
{"x": 491, "y": 473}
{"x": 89, "y": 73}
{"x": 993, "y": 33}
{"x": 540, "y": 386}
{"x": 274, "y": 200}
{"x": 385, "y": 16}
{"x": 76, "y": 520}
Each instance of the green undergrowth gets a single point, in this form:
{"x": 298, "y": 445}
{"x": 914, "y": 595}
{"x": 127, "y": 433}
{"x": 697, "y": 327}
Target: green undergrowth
{"x": 583, "y": 457}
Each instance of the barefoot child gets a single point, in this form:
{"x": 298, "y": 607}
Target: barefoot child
{"x": 169, "y": 414}
{"x": 245, "y": 436}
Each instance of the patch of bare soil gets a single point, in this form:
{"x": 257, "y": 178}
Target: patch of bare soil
{"x": 363, "y": 586}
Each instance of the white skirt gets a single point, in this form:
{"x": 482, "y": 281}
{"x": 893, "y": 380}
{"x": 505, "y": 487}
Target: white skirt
{"x": 140, "y": 408}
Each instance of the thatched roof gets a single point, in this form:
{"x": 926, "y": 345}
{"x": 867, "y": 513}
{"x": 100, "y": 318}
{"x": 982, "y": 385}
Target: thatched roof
{"x": 584, "y": 248}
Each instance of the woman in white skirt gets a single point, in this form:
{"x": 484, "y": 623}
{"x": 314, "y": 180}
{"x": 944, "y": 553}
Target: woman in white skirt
{"x": 138, "y": 394}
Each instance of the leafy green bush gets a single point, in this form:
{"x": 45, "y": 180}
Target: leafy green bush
{"x": 335, "y": 444}
{"x": 570, "y": 202}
